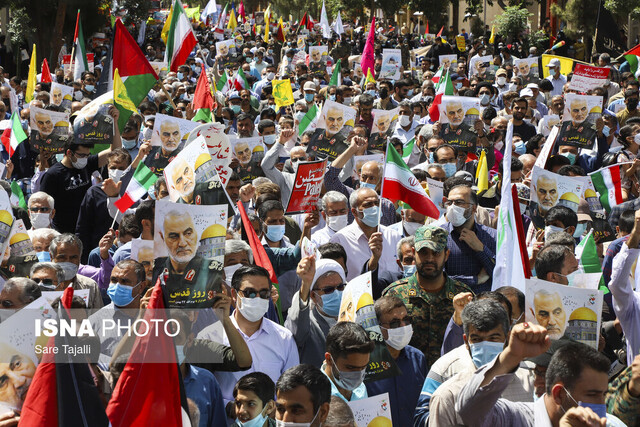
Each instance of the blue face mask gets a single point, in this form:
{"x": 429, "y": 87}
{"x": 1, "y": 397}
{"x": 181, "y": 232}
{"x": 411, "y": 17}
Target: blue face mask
{"x": 372, "y": 93}
{"x": 256, "y": 422}
{"x": 410, "y": 92}
{"x": 606, "y": 130}
{"x": 308, "y": 97}
{"x": 331, "y": 303}
{"x": 484, "y": 352}
{"x": 89, "y": 88}
{"x": 600, "y": 409}
{"x": 571, "y": 157}
{"x": 180, "y": 75}
{"x": 580, "y": 229}
{"x": 43, "y": 256}
{"x": 367, "y": 185}
{"x": 484, "y": 99}
{"x": 370, "y": 216}
{"x": 458, "y": 86}
{"x": 121, "y": 295}
{"x": 235, "y": 108}
{"x": 129, "y": 144}
{"x": 408, "y": 270}
{"x": 332, "y": 97}
{"x": 520, "y": 148}
{"x": 431, "y": 159}
{"x": 275, "y": 233}
{"x": 449, "y": 169}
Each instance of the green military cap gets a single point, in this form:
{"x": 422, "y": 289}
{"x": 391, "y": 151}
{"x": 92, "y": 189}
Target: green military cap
{"x": 432, "y": 237}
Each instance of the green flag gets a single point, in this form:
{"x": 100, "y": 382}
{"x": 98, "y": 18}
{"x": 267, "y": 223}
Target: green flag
{"x": 589, "y": 259}
{"x": 336, "y": 76}
{"x": 17, "y": 197}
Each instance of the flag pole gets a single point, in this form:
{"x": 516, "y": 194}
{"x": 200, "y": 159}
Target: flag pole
{"x": 114, "y": 219}
{"x": 384, "y": 166}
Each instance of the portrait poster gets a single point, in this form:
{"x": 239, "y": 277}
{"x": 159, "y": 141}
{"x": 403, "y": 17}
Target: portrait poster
{"x": 548, "y": 190}
{"x": 334, "y": 125}
{"x": 391, "y": 63}
{"x": 458, "y": 115}
{"x": 579, "y": 120}
{"x": 93, "y": 124}
{"x": 161, "y": 68}
{"x": 449, "y": 62}
{"x": 142, "y": 251}
{"x": 359, "y": 161}
{"x": 372, "y": 411}
{"x": 318, "y": 58}
{"x": 226, "y": 47}
{"x": 22, "y": 255}
{"x": 587, "y": 77}
{"x": 168, "y": 137}
{"x": 547, "y": 123}
{"x": 429, "y": 38}
{"x": 482, "y": 66}
{"x": 565, "y": 311}
{"x": 61, "y": 96}
{"x": 219, "y": 147}
{"x": 527, "y": 68}
{"x": 189, "y": 252}
{"x": 384, "y": 123}
{"x": 357, "y": 306}
{"x": 435, "y": 190}
{"x": 249, "y": 153}
{"x": 307, "y": 186}
{"x": 49, "y": 129}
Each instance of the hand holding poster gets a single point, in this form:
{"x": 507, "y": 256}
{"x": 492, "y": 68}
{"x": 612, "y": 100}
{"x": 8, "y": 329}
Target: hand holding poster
{"x": 318, "y": 56}
{"x": 61, "y": 96}
{"x": 93, "y": 124}
{"x": 384, "y": 123}
{"x": 579, "y": 120}
{"x": 391, "y": 63}
{"x": 482, "y": 66}
{"x": 565, "y": 311}
{"x": 49, "y": 129}
{"x": 330, "y": 137}
{"x": 189, "y": 252}
{"x": 249, "y": 153}
{"x": 458, "y": 115}
{"x": 548, "y": 190}
{"x": 306, "y": 187}
{"x": 142, "y": 251}
{"x": 586, "y": 77}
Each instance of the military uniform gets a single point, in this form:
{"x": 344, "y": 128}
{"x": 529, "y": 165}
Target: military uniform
{"x": 196, "y": 287}
{"x": 53, "y": 143}
{"x": 377, "y": 143}
{"x": 581, "y": 136}
{"x": 463, "y": 138}
{"x": 620, "y": 402}
{"x": 98, "y": 130}
{"x": 250, "y": 172}
{"x": 322, "y": 147}
{"x": 156, "y": 161}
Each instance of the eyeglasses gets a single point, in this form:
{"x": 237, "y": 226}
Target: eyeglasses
{"x": 81, "y": 155}
{"x": 45, "y": 282}
{"x": 43, "y": 209}
{"x": 329, "y": 289}
{"x": 459, "y": 203}
{"x": 396, "y": 323}
{"x": 252, "y": 293}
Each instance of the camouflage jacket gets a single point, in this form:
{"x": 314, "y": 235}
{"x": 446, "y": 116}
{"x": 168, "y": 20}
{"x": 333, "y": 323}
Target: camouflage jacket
{"x": 620, "y": 403}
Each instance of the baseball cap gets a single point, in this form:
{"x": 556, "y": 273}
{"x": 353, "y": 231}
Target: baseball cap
{"x": 533, "y": 86}
{"x": 526, "y": 92}
{"x": 555, "y": 62}
{"x": 234, "y": 95}
{"x": 309, "y": 86}
{"x": 501, "y": 72}
{"x": 432, "y": 237}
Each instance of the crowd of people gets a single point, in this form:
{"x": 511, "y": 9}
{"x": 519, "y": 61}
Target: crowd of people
{"x": 468, "y": 346}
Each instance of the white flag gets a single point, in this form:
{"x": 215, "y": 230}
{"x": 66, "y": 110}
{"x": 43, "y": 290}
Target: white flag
{"x": 337, "y": 25}
{"x": 324, "y": 23}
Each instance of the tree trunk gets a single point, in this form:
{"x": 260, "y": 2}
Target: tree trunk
{"x": 56, "y": 43}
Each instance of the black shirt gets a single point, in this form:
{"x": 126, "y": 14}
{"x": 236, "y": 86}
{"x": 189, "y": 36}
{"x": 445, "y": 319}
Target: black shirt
{"x": 525, "y": 130}
{"x": 68, "y": 186}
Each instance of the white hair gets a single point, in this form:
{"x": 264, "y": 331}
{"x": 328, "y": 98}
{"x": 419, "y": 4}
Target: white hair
{"x": 233, "y": 246}
{"x": 409, "y": 240}
{"x": 41, "y": 195}
{"x": 44, "y": 233}
{"x": 333, "y": 197}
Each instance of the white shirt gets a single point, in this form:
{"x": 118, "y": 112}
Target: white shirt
{"x": 405, "y": 135}
{"x": 272, "y": 348}
{"x": 322, "y": 236}
{"x": 356, "y": 244}
{"x": 558, "y": 84}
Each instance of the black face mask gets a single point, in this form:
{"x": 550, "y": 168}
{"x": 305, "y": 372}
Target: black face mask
{"x": 632, "y": 104}
{"x": 384, "y": 93}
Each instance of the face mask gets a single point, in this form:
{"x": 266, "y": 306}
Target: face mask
{"x": 513, "y": 87}
{"x": 269, "y": 139}
{"x": 372, "y": 93}
{"x": 498, "y": 145}
{"x": 226, "y": 122}
{"x": 256, "y": 422}
{"x": 571, "y": 157}
{"x": 43, "y": 256}
{"x": 271, "y": 76}
{"x": 600, "y": 409}
{"x": 89, "y": 88}
{"x": 411, "y": 227}
{"x": 502, "y": 81}
{"x": 337, "y": 223}
{"x": 299, "y": 116}
{"x": 121, "y": 295}
{"x": 275, "y": 233}
{"x": 523, "y": 207}
{"x": 80, "y": 163}
{"x": 408, "y": 270}
{"x": 116, "y": 175}
{"x": 198, "y": 69}
{"x": 370, "y": 216}
{"x": 347, "y": 100}
{"x": 69, "y": 270}
{"x": 253, "y": 309}
{"x": 368, "y": 185}
{"x": 456, "y": 215}
{"x": 552, "y": 71}
{"x": 331, "y": 303}
{"x": 484, "y": 99}
{"x": 229, "y": 270}
{"x": 347, "y": 380}
{"x": 572, "y": 278}
{"x": 636, "y": 139}
{"x": 77, "y": 95}
{"x": 308, "y": 97}
{"x": 410, "y": 92}
{"x": 40, "y": 220}
{"x": 550, "y": 229}
{"x": 606, "y": 130}
{"x": 484, "y": 352}
{"x": 400, "y": 337}
{"x": 236, "y": 109}
{"x": 129, "y": 144}
{"x": 449, "y": 169}
{"x": 458, "y": 86}
{"x": 405, "y": 121}
{"x": 580, "y": 229}
{"x": 292, "y": 424}
{"x": 180, "y": 76}
{"x": 332, "y": 97}
{"x": 180, "y": 354}
{"x": 520, "y": 148}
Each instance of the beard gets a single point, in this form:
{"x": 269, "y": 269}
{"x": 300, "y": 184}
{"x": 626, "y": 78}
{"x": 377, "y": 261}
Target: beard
{"x": 429, "y": 274}
{"x": 182, "y": 259}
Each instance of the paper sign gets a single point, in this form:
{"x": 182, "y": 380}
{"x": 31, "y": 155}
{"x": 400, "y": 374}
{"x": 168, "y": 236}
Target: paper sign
{"x": 373, "y": 411}
{"x": 458, "y": 115}
{"x": 334, "y": 125}
{"x": 49, "y": 129}
{"x": 93, "y": 124}
{"x": 249, "y": 152}
{"x": 586, "y": 77}
{"x": 527, "y": 68}
{"x": 219, "y": 147}
{"x": 306, "y": 187}
{"x": 548, "y": 190}
{"x": 391, "y": 63}
{"x": 384, "y": 123}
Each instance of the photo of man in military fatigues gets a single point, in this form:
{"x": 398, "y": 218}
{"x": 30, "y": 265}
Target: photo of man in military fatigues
{"x": 331, "y": 141}
{"x": 456, "y": 132}
{"x": 160, "y": 156}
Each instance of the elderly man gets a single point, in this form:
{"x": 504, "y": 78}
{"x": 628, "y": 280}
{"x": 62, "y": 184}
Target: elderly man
{"x": 41, "y": 211}
{"x": 160, "y": 155}
{"x": 331, "y": 140}
{"x": 41, "y": 238}
{"x": 370, "y": 245}
{"x": 48, "y": 275}
{"x": 335, "y": 210}
{"x": 65, "y": 250}
{"x": 18, "y": 292}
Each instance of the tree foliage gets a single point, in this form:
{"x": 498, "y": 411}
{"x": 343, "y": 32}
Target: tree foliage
{"x": 581, "y": 16}
{"x": 435, "y": 12}
{"x": 624, "y": 7}
{"x": 513, "y": 22}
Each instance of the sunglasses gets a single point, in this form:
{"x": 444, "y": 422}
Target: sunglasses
{"x": 329, "y": 289}
{"x": 252, "y": 293}
{"x": 45, "y": 282}
{"x": 396, "y": 323}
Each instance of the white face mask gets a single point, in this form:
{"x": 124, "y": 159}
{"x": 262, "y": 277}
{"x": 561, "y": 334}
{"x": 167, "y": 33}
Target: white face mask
{"x": 40, "y": 220}
{"x": 253, "y": 309}
{"x": 80, "y": 163}
{"x": 347, "y": 100}
{"x": 338, "y": 222}
{"x": 405, "y": 121}
{"x": 456, "y": 215}
{"x": 116, "y": 175}
{"x": 400, "y": 337}
{"x": 501, "y": 81}
{"x": 292, "y": 424}
{"x": 411, "y": 227}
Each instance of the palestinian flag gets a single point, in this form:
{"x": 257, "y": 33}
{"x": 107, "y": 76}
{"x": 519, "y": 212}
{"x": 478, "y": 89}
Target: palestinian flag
{"x": 310, "y": 120}
{"x": 135, "y": 71}
{"x": 202, "y": 99}
{"x": 444, "y": 87}
{"x": 240, "y": 81}
{"x": 280, "y": 32}
{"x": 401, "y": 184}
{"x": 303, "y": 21}
{"x": 607, "y": 183}
{"x": 336, "y": 76}
{"x": 80, "y": 64}
{"x": 180, "y": 39}
{"x": 139, "y": 185}
{"x": 13, "y": 134}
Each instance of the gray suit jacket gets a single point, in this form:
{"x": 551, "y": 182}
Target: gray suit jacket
{"x": 309, "y": 330}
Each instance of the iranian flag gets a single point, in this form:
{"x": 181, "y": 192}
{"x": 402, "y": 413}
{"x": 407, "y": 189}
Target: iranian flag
{"x": 224, "y": 85}
{"x": 240, "y": 81}
{"x": 436, "y": 78}
{"x": 180, "y": 40}
{"x": 80, "y": 64}
{"x": 310, "y": 120}
{"x": 13, "y": 134}
{"x": 139, "y": 185}
{"x": 607, "y": 183}
{"x": 444, "y": 87}
{"x": 587, "y": 253}
{"x": 401, "y": 184}
{"x": 336, "y": 76}
{"x": 408, "y": 149}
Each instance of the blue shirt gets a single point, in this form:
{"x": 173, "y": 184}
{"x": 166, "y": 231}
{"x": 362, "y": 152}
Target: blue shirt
{"x": 404, "y": 390}
{"x": 358, "y": 393}
{"x": 201, "y": 386}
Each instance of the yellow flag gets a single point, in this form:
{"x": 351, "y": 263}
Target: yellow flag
{"x": 281, "y": 25}
{"x": 31, "y": 80}
{"x": 266, "y": 25}
{"x": 493, "y": 34}
{"x": 165, "y": 28}
{"x": 120, "y": 95}
{"x": 282, "y": 92}
{"x": 369, "y": 78}
{"x": 233, "y": 23}
{"x": 482, "y": 173}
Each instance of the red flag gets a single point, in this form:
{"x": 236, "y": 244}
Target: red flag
{"x": 46, "y": 74}
{"x": 202, "y": 96}
{"x": 426, "y": 31}
{"x": 310, "y": 23}
{"x": 633, "y": 51}
{"x": 303, "y": 21}
{"x": 259, "y": 254}
{"x": 520, "y": 229}
{"x": 367, "y": 61}
{"x": 280, "y": 33}
{"x": 241, "y": 11}
{"x": 440, "y": 32}
{"x": 149, "y": 393}
{"x": 75, "y": 33}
